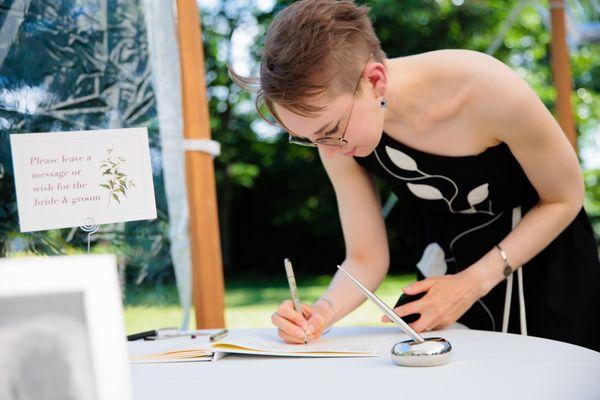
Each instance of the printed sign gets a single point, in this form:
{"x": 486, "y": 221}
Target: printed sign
{"x": 82, "y": 178}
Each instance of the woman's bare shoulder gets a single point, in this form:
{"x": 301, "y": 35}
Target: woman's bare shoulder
{"x": 477, "y": 74}
{"x": 451, "y": 71}
{"x": 493, "y": 95}
{"x": 458, "y": 62}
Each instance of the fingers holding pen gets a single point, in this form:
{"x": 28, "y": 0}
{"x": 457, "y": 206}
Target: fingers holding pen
{"x": 287, "y": 327}
{"x": 295, "y": 339}
{"x": 286, "y": 310}
{"x": 290, "y": 339}
{"x": 292, "y": 326}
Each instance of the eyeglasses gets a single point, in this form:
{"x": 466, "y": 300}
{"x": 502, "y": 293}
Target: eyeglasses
{"x": 328, "y": 140}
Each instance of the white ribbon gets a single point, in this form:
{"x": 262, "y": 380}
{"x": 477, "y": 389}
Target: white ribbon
{"x": 205, "y": 145}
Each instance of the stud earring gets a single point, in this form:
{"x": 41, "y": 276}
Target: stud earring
{"x": 383, "y": 103}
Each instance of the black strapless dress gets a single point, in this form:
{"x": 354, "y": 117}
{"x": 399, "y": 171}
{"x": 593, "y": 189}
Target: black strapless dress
{"x": 467, "y": 204}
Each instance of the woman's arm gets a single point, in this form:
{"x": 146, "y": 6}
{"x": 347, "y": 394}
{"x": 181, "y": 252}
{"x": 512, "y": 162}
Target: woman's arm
{"x": 516, "y": 116}
{"x": 367, "y": 250}
{"x": 506, "y": 108}
{"x": 367, "y": 254}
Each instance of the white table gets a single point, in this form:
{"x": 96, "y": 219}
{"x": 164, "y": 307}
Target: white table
{"x": 485, "y": 365}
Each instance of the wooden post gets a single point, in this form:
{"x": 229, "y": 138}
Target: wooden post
{"x": 561, "y": 72}
{"x": 207, "y": 266}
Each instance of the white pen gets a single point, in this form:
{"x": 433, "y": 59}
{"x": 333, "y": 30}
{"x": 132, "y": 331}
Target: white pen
{"x": 295, "y": 299}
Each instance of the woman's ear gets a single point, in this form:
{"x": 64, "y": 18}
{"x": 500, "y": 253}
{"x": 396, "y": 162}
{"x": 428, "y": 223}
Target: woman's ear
{"x": 376, "y": 74}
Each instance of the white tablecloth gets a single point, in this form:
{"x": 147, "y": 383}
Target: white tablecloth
{"x": 485, "y": 365}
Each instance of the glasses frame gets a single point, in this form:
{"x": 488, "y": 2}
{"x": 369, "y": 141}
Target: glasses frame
{"x": 328, "y": 140}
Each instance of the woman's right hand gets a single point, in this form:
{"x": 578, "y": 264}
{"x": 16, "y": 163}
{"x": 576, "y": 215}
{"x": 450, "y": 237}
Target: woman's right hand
{"x": 292, "y": 326}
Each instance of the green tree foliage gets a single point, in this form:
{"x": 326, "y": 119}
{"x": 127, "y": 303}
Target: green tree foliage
{"x": 289, "y": 210}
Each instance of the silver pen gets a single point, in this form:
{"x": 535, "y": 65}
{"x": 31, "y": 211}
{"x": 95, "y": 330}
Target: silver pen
{"x": 384, "y": 307}
{"x": 218, "y": 336}
{"x": 294, "y": 290}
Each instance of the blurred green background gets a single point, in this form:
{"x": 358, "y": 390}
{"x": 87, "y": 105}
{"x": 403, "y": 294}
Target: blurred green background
{"x": 275, "y": 200}
{"x": 249, "y": 302}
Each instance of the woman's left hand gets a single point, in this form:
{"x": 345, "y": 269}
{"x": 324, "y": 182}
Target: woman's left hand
{"x": 448, "y": 298}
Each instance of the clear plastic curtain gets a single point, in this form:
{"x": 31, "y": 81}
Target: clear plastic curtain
{"x": 164, "y": 55}
{"x": 73, "y": 64}
{"x": 97, "y": 64}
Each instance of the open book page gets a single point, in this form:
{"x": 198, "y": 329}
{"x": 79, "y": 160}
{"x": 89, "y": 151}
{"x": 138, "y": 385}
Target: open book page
{"x": 346, "y": 343}
{"x": 182, "y": 349}
{"x": 266, "y": 342}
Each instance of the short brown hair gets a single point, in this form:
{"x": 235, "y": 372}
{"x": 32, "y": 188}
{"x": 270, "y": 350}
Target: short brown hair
{"x": 312, "y": 47}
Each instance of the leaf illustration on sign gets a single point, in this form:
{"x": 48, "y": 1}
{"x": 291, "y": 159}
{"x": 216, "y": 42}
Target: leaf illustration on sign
{"x": 117, "y": 182}
{"x": 425, "y": 191}
{"x": 479, "y": 194}
{"x": 401, "y": 159}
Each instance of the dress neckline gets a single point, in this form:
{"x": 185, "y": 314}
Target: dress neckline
{"x": 385, "y": 138}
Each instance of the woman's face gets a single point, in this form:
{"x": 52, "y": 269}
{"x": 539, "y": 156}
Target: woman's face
{"x": 359, "y": 119}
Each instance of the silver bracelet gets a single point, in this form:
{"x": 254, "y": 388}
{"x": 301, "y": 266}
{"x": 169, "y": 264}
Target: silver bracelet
{"x": 508, "y": 270}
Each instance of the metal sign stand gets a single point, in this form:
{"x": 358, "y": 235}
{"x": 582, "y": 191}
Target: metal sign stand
{"x": 90, "y": 227}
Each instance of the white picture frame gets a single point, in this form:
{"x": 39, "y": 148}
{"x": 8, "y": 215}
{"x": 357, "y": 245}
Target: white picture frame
{"x": 62, "y": 331}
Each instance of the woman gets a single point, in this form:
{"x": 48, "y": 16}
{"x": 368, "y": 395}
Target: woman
{"x": 492, "y": 178}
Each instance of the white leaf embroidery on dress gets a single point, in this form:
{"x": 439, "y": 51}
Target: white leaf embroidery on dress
{"x": 477, "y": 195}
{"x": 425, "y": 191}
{"x": 405, "y": 162}
{"x": 433, "y": 261}
{"x": 401, "y": 159}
